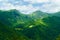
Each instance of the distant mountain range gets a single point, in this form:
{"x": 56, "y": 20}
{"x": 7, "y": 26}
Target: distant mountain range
{"x": 35, "y": 26}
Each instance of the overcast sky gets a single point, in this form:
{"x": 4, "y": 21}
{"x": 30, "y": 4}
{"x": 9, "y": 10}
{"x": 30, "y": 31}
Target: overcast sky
{"x": 29, "y": 6}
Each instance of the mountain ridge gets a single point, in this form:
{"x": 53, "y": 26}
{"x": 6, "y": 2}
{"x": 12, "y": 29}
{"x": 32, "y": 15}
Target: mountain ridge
{"x": 35, "y": 26}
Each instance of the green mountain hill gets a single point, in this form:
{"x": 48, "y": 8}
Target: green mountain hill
{"x": 35, "y": 26}
{"x": 13, "y": 17}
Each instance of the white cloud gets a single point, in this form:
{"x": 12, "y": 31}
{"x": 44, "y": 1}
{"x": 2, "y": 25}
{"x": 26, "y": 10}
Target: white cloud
{"x": 54, "y": 6}
{"x": 26, "y": 9}
{"x": 7, "y": 6}
{"x": 23, "y": 8}
{"x": 0, "y": 0}
{"x": 36, "y": 1}
{"x": 56, "y": 1}
{"x": 50, "y": 6}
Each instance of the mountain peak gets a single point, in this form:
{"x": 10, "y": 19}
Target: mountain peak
{"x": 38, "y": 11}
{"x": 13, "y": 10}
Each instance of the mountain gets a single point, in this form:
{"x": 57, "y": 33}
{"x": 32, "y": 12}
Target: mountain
{"x": 38, "y": 14}
{"x": 9, "y": 22}
{"x": 9, "y": 17}
{"x": 13, "y": 18}
{"x": 49, "y": 24}
{"x": 57, "y": 14}
{"x": 35, "y": 26}
{"x": 53, "y": 27}
{"x": 7, "y": 33}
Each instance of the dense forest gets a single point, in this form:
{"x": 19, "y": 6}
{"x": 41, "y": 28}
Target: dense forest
{"x": 38, "y": 25}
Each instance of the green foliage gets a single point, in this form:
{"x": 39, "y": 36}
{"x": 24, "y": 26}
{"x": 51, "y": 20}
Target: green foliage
{"x": 36, "y": 26}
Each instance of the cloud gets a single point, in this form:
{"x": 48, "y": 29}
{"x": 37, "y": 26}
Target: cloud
{"x": 6, "y": 6}
{"x": 43, "y": 5}
{"x": 25, "y": 8}
{"x": 53, "y": 6}
{"x": 36, "y": 1}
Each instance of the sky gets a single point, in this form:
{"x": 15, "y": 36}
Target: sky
{"x": 29, "y": 6}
